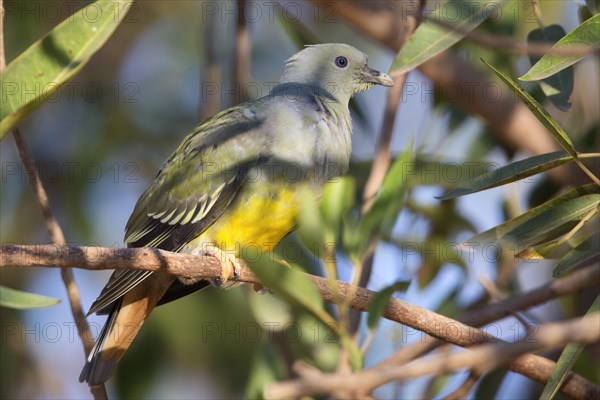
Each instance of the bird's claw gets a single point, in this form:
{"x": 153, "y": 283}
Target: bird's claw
{"x": 230, "y": 267}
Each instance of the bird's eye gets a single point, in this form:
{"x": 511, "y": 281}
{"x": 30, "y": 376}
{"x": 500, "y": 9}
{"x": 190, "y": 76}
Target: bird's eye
{"x": 341, "y": 61}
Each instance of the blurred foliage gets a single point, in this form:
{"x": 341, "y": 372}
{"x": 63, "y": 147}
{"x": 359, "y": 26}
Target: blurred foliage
{"x": 112, "y": 125}
{"x": 20, "y": 300}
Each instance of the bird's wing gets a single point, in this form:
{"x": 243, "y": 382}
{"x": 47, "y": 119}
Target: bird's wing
{"x": 192, "y": 190}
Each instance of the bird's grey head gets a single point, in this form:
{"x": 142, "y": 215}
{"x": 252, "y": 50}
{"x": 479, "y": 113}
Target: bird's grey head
{"x": 339, "y": 69}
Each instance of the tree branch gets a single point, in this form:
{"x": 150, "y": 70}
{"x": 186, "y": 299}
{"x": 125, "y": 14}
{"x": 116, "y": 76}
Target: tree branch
{"x": 481, "y": 359}
{"x": 577, "y": 281}
{"x": 208, "y": 266}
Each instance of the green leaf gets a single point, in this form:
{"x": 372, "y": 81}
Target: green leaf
{"x": 431, "y": 38}
{"x": 337, "y": 200}
{"x": 552, "y": 223}
{"x": 381, "y": 300}
{"x": 559, "y": 248}
{"x": 37, "y": 73}
{"x": 557, "y": 87}
{"x": 496, "y": 233}
{"x": 585, "y": 253}
{"x": 311, "y": 228}
{"x": 20, "y": 300}
{"x": 291, "y": 286}
{"x": 446, "y": 174}
{"x": 585, "y": 35}
{"x": 387, "y": 204}
{"x": 542, "y": 115}
{"x": 566, "y": 361}
{"x": 390, "y": 198}
{"x": 510, "y": 173}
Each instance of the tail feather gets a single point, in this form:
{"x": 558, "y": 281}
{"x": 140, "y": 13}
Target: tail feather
{"x": 97, "y": 370}
{"x": 122, "y": 326}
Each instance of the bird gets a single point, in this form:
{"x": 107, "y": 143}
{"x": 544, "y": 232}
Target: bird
{"x": 234, "y": 180}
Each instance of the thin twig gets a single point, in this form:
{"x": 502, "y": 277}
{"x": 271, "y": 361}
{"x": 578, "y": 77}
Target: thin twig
{"x": 241, "y": 69}
{"x": 577, "y": 227}
{"x": 364, "y": 273}
{"x": 585, "y": 169}
{"x": 537, "y": 11}
{"x": 577, "y": 281}
{"x": 495, "y": 294}
{"x": 463, "y": 390}
{"x": 209, "y": 107}
{"x": 2, "y": 55}
{"x": 54, "y": 230}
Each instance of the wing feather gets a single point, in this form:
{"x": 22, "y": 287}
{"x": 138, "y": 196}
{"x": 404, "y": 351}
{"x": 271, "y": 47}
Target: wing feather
{"x": 188, "y": 195}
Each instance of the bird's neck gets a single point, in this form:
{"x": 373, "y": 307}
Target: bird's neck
{"x": 332, "y": 153}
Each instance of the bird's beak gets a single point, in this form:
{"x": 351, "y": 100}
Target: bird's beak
{"x": 370, "y": 75}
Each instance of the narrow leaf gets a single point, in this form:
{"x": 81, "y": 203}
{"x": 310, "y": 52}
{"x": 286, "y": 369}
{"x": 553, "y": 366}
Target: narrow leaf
{"x": 389, "y": 200}
{"x": 494, "y": 234}
{"x": 585, "y": 253}
{"x": 381, "y": 300}
{"x": 311, "y": 229}
{"x": 291, "y": 286}
{"x": 388, "y": 203}
{"x": 20, "y": 300}
{"x": 446, "y": 174}
{"x": 510, "y": 173}
{"x": 338, "y": 199}
{"x": 552, "y": 223}
{"x": 431, "y": 38}
{"x": 557, "y": 87}
{"x": 37, "y": 73}
{"x": 585, "y": 35}
{"x": 566, "y": 361}
{"x": 542, "y": 115}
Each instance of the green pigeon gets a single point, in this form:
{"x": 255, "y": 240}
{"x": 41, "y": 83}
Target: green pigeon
{"x": 234, "y": 181}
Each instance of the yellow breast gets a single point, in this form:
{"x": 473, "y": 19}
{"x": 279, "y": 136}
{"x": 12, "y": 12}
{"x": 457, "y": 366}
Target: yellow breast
{"x": 259, "y": 217}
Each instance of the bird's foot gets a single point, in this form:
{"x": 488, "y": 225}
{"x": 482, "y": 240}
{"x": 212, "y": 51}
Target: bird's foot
{"x": 230, "y": 267}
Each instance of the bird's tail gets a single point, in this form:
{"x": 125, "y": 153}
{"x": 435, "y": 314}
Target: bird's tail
{"x": 122, "y": 326}
{"x": 98, "y": 369}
